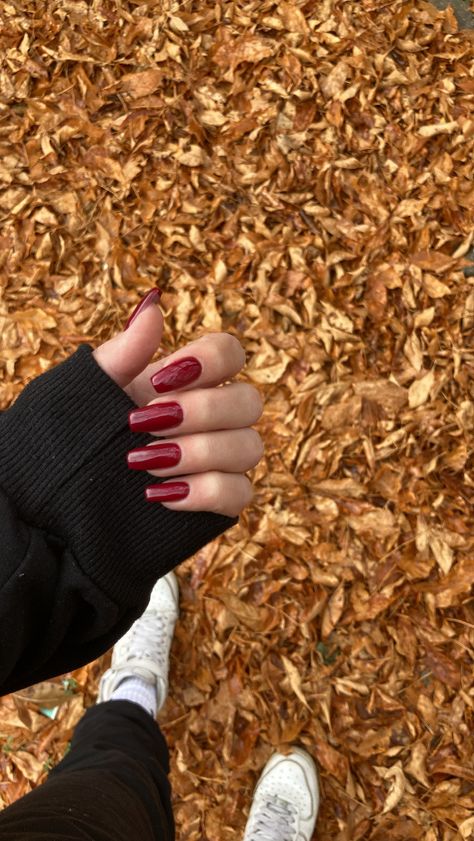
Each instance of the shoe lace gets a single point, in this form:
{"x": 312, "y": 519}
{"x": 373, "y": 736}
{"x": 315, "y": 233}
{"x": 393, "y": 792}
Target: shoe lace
{"x": 151, "y": 637}
{"x": 275, "y": 822}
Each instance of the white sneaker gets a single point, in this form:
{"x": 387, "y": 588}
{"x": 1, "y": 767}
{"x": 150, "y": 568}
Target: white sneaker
{"x": 144, "y": 650}
{"x": 286, "y": 800}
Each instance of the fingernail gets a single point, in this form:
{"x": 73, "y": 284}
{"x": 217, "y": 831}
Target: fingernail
{"x": 167, "y": 492}
{"x": 177, "y": 374}
{"x": 155, "y": 417}
{"x": 155, "y": 457}
{"x": 152, "y": 297}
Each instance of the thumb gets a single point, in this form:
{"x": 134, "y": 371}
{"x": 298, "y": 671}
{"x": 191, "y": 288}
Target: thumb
{"x": 128, "y": 353}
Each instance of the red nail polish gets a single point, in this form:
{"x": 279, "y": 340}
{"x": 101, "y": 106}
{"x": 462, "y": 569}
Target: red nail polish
{"x": 155, "y": 457}
{"x": 177, "y": 374}
{"x": 167, "y": 492}
{"x": 152, "y": 297}
{"x": 155, "y": 417}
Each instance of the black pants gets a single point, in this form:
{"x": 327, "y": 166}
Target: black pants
{"x": 111, "y": 786}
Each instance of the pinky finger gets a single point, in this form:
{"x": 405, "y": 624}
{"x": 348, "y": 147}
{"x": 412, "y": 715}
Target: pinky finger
{"x": 219, "y": 493}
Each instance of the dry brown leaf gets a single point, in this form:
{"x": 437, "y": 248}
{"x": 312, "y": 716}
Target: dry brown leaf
{"x": 293, "y": 18}
{"x": 434, "y": 261}
{"x": 420, "y": 390}
{"x": 28, "y": 765}
{"x": 341, "y": 487}
{"x": 333, "y": 612}
{"x": 459, "y": 581}
{"x": 294, "y": 678}
{"x": 438, "y": 128}
{"x": 250, "y": 48}
{"x": 416, "y": 766}
{"x": 442, "y": 552}
{"x": 443, "y": 667}
{"x": 413, "y": 352}
{"x": 142, "y": 83}
{"x": 46, "y": 694}
{"x": 335, "y": 81}
{"x": 435, "y": 288}
{"x": 193, "y": 156}
{"x": 466, "y": 828}
{"x": 390, "y": 396}
{"x": 379, "y": 522}
{"x": 397, "y": 786}
{"x": 331, "y": 760}
{"x": 251, "y": 616}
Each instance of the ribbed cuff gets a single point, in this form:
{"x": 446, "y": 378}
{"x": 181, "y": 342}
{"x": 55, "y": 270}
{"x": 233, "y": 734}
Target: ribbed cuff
{"x": 63, "y": 448}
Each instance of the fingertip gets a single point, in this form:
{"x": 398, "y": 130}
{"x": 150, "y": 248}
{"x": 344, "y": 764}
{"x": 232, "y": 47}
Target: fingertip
{"x": 152, "y": 297}
{"x": 127, "y": 354}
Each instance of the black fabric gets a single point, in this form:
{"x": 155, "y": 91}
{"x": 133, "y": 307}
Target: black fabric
{"x": 111, "y": 786}
{"x": 80, "y": 546}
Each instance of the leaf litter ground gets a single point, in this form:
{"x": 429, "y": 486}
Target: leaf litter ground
{"x": 300, "y": 174}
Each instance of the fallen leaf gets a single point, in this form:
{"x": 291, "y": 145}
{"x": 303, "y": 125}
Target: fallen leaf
{"x": 331, "y": 760}
{"x": 451, "y": 587}
{"x": 444, "y": 668}
{"x": 390, "y": 396}
{"x": 46, "y": 694}
{"x": 250, "y": 616}
{"x": 27, "y": 764}
{"x": 293, "y": 18}
{"x": 438, "y": 128}
{"x": 434, "y": 261}
{"x": 435, "y": 288}
{"x": 442, "y": 552}
{"x": 419, "y": 391}
{"x": 142, "y": 83}
{"x": 397, "y": 781}
{"x": 294, "y": 679}
{"x": 193, "y": 156}
{"x": 333, "y": 612}
{"x": 379, "y": 522}
{"x": 334, "y": 82}
{"x": 341, "y": 487}
{"x": 416, "y": 766}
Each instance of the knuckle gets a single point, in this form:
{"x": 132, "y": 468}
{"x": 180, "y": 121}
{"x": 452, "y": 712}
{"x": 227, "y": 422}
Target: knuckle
{"x": 206, "y": 410}
{"x": 206, "y": 452}
{"x": 214, "y": 491}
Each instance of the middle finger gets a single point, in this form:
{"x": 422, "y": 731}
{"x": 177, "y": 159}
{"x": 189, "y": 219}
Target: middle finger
{"x": 231, "y": 406}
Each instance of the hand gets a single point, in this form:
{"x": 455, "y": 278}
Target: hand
{"x": 209, "y": 444}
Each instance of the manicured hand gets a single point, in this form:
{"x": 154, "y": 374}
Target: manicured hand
{"x": 206, "y": 443}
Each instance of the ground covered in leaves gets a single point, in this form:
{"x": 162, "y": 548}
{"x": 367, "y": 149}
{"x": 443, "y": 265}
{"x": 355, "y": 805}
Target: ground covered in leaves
{"x": 300, "y": 174}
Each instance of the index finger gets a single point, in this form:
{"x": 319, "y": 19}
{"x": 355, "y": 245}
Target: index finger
{"x": 205, "y": 363}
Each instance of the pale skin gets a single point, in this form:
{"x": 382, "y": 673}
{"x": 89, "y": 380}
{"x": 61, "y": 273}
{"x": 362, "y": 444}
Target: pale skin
{"x": 217, "y": 442}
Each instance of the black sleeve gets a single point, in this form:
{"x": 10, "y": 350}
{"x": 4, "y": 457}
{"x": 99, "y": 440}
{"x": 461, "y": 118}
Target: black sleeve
{"x": 80, "y": 546}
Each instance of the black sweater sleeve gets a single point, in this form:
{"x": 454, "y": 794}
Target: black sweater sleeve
{"x": 80, "y": 547}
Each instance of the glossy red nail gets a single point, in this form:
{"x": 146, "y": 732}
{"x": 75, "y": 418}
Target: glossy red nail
{"x": 152, "y": 297}
{"x": 155, "y": 457}
{"x": 177, "y": 374}
{"x": 155, "y": 417}
{"x": 167, "y": 492}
